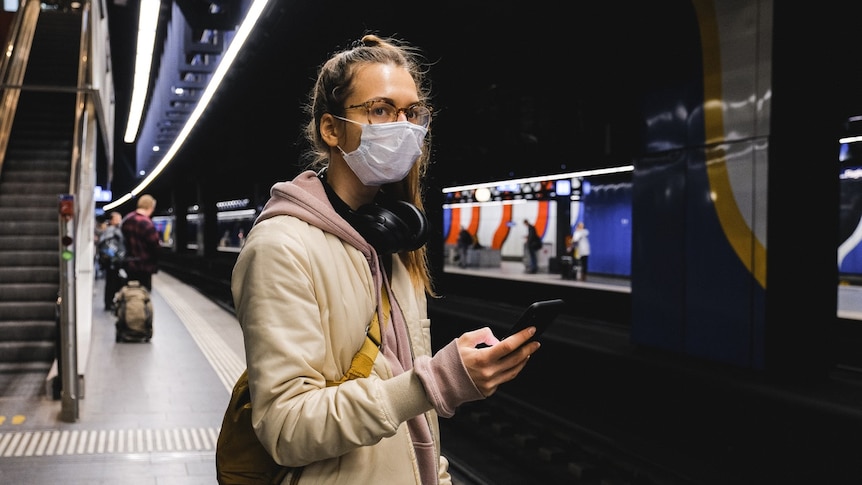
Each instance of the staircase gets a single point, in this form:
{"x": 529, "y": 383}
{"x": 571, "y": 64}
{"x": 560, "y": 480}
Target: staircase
{"x": 36, "y": 170}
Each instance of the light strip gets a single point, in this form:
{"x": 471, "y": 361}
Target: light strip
{"x": 149, "y": 20}
{"x": 850, "y": 139}
{"x": 462, "y": 205}
{"x": 542, "y": 178}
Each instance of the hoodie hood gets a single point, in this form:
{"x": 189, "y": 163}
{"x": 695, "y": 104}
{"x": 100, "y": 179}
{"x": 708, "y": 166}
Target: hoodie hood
{"x": 305, "y": 198}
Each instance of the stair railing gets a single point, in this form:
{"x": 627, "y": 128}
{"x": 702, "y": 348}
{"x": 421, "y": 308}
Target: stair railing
{"x": 13, "y": 65}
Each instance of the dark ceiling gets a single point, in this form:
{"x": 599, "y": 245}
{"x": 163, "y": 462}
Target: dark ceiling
{"x": 518, "y": 89}
{"x": 508, "y": 97}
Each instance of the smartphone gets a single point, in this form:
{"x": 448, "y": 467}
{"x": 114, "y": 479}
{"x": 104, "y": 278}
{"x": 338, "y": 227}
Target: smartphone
{"x": 540, "y": 315}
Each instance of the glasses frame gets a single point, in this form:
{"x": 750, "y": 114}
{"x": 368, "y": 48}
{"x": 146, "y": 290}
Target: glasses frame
{"x": 367, "y": 105}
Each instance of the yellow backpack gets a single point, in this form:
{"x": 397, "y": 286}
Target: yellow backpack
{"x": 240, "y": 457}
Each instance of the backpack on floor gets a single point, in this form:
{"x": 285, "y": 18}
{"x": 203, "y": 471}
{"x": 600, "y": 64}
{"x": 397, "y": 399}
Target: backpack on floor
{"x": 134, "y": 309}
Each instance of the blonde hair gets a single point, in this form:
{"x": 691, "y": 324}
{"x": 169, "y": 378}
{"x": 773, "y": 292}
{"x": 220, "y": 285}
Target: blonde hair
{"x": 146, "y": 202}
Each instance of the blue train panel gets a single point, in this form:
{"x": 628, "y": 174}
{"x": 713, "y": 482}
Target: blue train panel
{"x": 699, "y": 250}
{"x": 850, "y": 216}
{"x": 608, "y": 216}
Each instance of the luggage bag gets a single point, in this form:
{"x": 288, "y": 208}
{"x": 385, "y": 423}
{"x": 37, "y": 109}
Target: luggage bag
{"x": 568, "y": 268}
{"x": 134, "y": 310}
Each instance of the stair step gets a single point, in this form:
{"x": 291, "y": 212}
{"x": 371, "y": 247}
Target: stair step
{"x": 19, "y": 292}
{"x": 30, "y": 274}
{"x": 15, "y": 165}
{"x": 31, "y": 228}
{"x": 28, "y": 214}
{"x": 28, "y": 200}
{"x": 56, "y": 126}
{"x": 48, "y": 188}
{"x": 18, "y": 177}
{"x": 12, "y": 259}
{"x": 26, "y": 366}
{"x": 29, "y": 310}
{"x": 28, "y": 154}
{"x": 27, "y": 330}
{"x": 34, "y": 242}
{"x": 25, "y": 379}
{"x": 27, "y": 351}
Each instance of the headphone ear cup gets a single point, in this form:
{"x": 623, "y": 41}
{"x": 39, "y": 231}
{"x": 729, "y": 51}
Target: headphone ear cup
{"x": 398, "y": 227}
{"x": 416, "y": 223}
{"x": 378, "y": 227}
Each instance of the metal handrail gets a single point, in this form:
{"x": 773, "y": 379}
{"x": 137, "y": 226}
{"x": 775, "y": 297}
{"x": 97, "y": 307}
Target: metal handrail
{"x": 13, "y": 66}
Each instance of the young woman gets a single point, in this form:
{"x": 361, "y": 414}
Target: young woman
{"x": 332, "y": 248}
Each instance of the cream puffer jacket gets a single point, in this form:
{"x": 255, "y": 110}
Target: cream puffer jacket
{"x": 305, "y": 287}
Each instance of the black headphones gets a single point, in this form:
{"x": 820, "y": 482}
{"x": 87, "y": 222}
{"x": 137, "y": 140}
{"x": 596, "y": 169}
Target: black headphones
{"x": 389, "y": 225}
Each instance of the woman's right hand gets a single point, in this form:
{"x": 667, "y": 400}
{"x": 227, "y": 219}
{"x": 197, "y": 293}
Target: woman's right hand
{"x": 500, "y": 361}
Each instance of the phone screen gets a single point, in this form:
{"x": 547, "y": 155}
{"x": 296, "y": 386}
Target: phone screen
{"x": 540, "y": 315}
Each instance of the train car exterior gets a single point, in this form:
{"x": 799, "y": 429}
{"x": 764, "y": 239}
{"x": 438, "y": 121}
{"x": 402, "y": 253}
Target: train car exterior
{"x": 701, "y": 190}
{"x": 710, "y": 193}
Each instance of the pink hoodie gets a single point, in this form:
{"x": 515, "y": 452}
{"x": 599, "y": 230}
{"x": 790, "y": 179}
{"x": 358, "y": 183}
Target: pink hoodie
{"x": 446, "y": 381}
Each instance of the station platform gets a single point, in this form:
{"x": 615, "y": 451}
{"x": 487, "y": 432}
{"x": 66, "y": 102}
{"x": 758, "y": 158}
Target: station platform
{"x": 149, "y": 413}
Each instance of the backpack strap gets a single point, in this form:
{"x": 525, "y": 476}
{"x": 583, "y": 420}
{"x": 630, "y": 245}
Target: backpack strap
{"x": 363, "y": 361}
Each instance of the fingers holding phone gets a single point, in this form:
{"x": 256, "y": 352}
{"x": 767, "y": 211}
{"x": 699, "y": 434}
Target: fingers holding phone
{"x": 540, "y": 314}
{"x": 492, "y": 362}
{"x": 499, "y": 361}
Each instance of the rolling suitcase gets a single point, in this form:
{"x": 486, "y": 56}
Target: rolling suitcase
{"x": 134, "y": 310}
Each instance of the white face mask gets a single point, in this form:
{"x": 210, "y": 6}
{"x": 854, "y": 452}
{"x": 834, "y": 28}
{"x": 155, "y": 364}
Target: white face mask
{"x": 386, "y": 151}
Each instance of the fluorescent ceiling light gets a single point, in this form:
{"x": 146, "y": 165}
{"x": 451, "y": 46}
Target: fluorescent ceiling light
{"x": 147, "y": 23}
{"x": 542, "y": 178}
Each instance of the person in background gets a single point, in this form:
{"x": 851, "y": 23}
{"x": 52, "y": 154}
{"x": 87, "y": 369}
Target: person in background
{"x": 581, "y": 243}
{"x": 112, "y": 251}
{"x": 142, "y": 242}
{"x": 314, "y": 271}
{"x": 532, "y": 246}
{"x": 101, "y": 225}
{"x": 465, "y": 241}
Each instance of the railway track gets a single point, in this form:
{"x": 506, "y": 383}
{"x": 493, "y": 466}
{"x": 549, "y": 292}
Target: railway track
{"x": 505, "y": 441}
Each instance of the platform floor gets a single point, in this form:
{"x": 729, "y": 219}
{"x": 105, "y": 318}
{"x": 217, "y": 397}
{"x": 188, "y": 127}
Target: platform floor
{"x": 150, "y": 412}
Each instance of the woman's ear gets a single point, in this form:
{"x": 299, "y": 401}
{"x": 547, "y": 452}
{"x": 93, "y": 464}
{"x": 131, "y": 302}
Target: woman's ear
{"x": 329, "y": 129}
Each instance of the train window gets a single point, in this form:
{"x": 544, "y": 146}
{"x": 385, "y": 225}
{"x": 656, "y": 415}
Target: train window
{"x": 194, "y": 235}
{"x": 233, "y": 225}
{"x": 164, "y": 225}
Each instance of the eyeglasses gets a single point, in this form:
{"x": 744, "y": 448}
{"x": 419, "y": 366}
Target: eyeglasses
{"x": 382, "y": 111}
